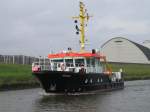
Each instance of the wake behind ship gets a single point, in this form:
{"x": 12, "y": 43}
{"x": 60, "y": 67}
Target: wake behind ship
{"x": 77, "y": 72}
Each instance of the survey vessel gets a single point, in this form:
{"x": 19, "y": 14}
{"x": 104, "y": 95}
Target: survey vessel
{"x": 77, "y": 72}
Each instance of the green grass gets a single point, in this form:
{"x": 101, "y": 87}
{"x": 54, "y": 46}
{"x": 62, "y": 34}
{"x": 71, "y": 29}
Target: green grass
{"x": 15, "y": 74}
{"x": 133, "y": 71}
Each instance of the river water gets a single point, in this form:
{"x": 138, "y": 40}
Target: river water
{"x": 134, "y": 98}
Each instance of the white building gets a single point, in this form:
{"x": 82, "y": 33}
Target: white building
{"x": 123, "y": 50}
{"x": 146, "y": 43}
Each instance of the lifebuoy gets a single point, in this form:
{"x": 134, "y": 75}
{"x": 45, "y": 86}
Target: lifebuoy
{"x": 82, "y": 71}
{"x": 36, "y": 69}
{"x": 62, "y": 66}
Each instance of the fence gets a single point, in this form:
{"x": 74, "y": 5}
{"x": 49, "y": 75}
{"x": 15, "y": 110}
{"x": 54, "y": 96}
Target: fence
{"x": 17, "y": 59}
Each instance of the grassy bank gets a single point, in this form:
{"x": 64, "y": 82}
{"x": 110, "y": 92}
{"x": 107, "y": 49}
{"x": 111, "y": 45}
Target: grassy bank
{"x": 133, "y": 71}
{"x": 16, "y": 76}
{"x": 20, "y": 76}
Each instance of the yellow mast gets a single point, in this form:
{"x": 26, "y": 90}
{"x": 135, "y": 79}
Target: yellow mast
{"x": 82, "y": 17}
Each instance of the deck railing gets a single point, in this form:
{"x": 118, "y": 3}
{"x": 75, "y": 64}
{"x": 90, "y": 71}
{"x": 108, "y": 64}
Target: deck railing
{"x": 60, "y": 66}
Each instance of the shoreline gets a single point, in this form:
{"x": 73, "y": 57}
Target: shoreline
{"x": 137, "y": 78}
{"x": 18, "y": 86}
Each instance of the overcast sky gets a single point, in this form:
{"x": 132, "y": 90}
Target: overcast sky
{"x": 37, "y": 27}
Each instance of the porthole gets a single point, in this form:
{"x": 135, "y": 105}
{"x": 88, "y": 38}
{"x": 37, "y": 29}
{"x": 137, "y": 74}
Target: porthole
{"x": 91, "y": 80}
{"x": 86, "y": 81}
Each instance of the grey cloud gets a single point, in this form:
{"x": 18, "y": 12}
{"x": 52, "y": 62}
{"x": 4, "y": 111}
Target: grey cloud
{"x": 36, "y": 27}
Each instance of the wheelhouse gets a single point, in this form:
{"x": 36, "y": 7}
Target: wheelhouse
{"x": 72, "y": 62}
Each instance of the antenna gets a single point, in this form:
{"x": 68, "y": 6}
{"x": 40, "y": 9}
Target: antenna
{"x": 83, "y": 16}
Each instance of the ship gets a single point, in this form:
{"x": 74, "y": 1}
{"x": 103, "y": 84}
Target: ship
{"x": 77, "y": 72}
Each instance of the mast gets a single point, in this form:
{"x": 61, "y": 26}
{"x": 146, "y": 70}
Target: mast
{"x": 83, "y": 17}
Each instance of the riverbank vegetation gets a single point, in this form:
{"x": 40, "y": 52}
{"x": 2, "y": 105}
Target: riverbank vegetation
{"x": 133, "y": 71}
{"x": 16, "y": 76}
{"x": 20, "y": 76}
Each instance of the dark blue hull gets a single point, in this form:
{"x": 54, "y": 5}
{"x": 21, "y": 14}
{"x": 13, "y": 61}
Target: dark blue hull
{"x": 69, "y": 82}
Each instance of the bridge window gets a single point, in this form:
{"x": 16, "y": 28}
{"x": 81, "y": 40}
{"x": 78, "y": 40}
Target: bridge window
{"x": 79, "y": 62}
{"x": 69, "y": 62}
{"x": 57, "y": 60}
{"x": 93, "y": 62}
{"x": 88, "y": 62}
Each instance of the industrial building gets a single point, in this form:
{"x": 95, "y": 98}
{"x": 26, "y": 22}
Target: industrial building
{"x": 146, "y": 43}
{"x": 17, "y": 59}
{"x": 122, "y": 50}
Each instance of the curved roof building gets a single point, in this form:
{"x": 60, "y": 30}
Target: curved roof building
{"x": 123, "y": 50}
{"x": 146, "y": 43}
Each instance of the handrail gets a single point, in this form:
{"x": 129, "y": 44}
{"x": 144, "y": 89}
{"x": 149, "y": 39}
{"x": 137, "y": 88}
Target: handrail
{"x": 57, "y": 66}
